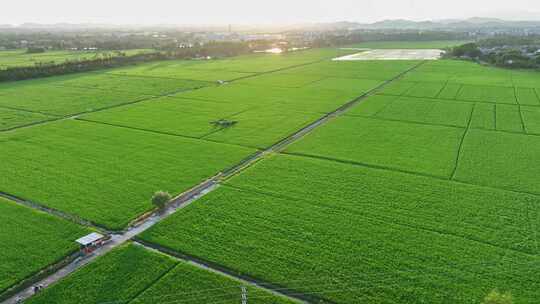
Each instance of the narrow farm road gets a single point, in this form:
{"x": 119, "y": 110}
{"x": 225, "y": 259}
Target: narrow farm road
{"x": 188, "y": 197}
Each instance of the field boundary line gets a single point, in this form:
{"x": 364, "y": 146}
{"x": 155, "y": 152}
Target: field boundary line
{"x": 460, "y": 147}
{"x": 353, "y": 163}
{"x": 28, "y": 124}
{"x": 386, "y": 106}
{"x": 201, "y": 138}
{"x": 535, "y": 90}
{"x": 31, "y": 279}
{"x": 374, "y": 218}
{"x": 150, "y": 285}
{"x": 442, "y": 89}
{"x": 281, "y": 69}
{"x": 29, "y": 111}
{"x": 277, "y": 290}
{"x": 127, "y": 103}
{"x": 54, "y": 212}
{"x": 338, "y": 112}
{"x": 495, "y": 117}
{"x": 457, "y": 100}
{"x": 148, "y": 97}
{"x": 523, "y": 127}
{"x": 362, "y": 164}
{"x": 181, "y": 201}
{"x": 158, "y": 77}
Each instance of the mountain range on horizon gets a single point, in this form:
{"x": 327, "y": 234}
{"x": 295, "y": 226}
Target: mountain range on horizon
{"x": 455, "y": 24}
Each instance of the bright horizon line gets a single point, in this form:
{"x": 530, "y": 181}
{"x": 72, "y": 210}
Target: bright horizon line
{"x": 268, "y": 23}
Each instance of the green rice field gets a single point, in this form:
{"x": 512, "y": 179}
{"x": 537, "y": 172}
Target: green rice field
{"x": 32, "y": 241}
{"x": 156, "y": 279}
{"x": 375, "y": 235}
{"x": 419, "y": 184}
{"x": 103, "y": 173}
{"x": 20, "y": 58}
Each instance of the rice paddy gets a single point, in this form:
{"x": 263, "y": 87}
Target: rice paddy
{"x": 423, "y": 191}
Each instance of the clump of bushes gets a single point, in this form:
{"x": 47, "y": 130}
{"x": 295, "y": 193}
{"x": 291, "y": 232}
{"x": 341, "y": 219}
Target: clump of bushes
{"x": 160, "y": 199}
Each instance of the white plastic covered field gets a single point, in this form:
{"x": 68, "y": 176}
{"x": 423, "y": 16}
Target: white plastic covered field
{"x": 394, "y": 54}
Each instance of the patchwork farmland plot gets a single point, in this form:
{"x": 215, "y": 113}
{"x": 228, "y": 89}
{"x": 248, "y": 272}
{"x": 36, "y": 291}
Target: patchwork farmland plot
{"x": 282, "y": 80}
{"x": 104, "y": 174}
{"x": 527, "y": 96}
{"x": 32, "y": 240}
{"x": 484, "y": 116}
{"x": 179, "y": 70}
{"x": 184, "y": 117}
{"x": 372, "y": 105}
{"x": 132, "y": 84}
{"x": 229, "y": 69}
{"x": 318, "y": 226}
{"x": 424, "y": 191}
{"x": 425, "y": 149}
{"x": 397, "y": 88}
{"x": 425, "y": 90}
{"x": 136, "y": 275}
{"x": 352, "y": 85}
{"x": 531, "y": 118}
{"x": 487, "y": 94}
{"x": 262, "y": 127}
{"x": 428, "y": 111}
{"x": 19, "y": 58}
{"x": 300, "y": 99}
{"x": 10, "y": 118}
{"x": 116, "y": 277}
{"x": 86, "y": 92}
{"x": 48, "y": 99}
{"x": 194, "y": 285}
{"x": 450, "y": 91}
{"x": 378, "y": 70}
{"x": 502, "y": 160}
{"x": 508, "y": 118}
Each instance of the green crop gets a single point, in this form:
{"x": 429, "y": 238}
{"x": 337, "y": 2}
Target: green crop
{"x": 116, "y": 277}
{"x": 31, "y": 241}
{"x": 501, "y": 160}
{"x": 102, "y": 173}
{"x": 10, "y": 118}
{"x": 426, "y": 149}
{"x": 318, "y": 226}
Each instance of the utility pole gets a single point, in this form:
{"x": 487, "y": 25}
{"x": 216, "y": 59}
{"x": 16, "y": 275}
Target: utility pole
{"x": 244, "y": 295}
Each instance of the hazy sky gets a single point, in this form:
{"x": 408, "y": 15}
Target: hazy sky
{"x": 256, "y": 11}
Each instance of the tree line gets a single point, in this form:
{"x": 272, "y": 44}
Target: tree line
{"x": 507, "y": 52}
{"x": 212, "y": 49}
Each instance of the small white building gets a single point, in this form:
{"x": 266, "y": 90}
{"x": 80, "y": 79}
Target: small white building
{"x": 91, "y": 242}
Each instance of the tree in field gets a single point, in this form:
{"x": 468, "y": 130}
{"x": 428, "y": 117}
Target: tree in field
{"x": 160, "y": 199}
{"x": 496, "y": 297}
